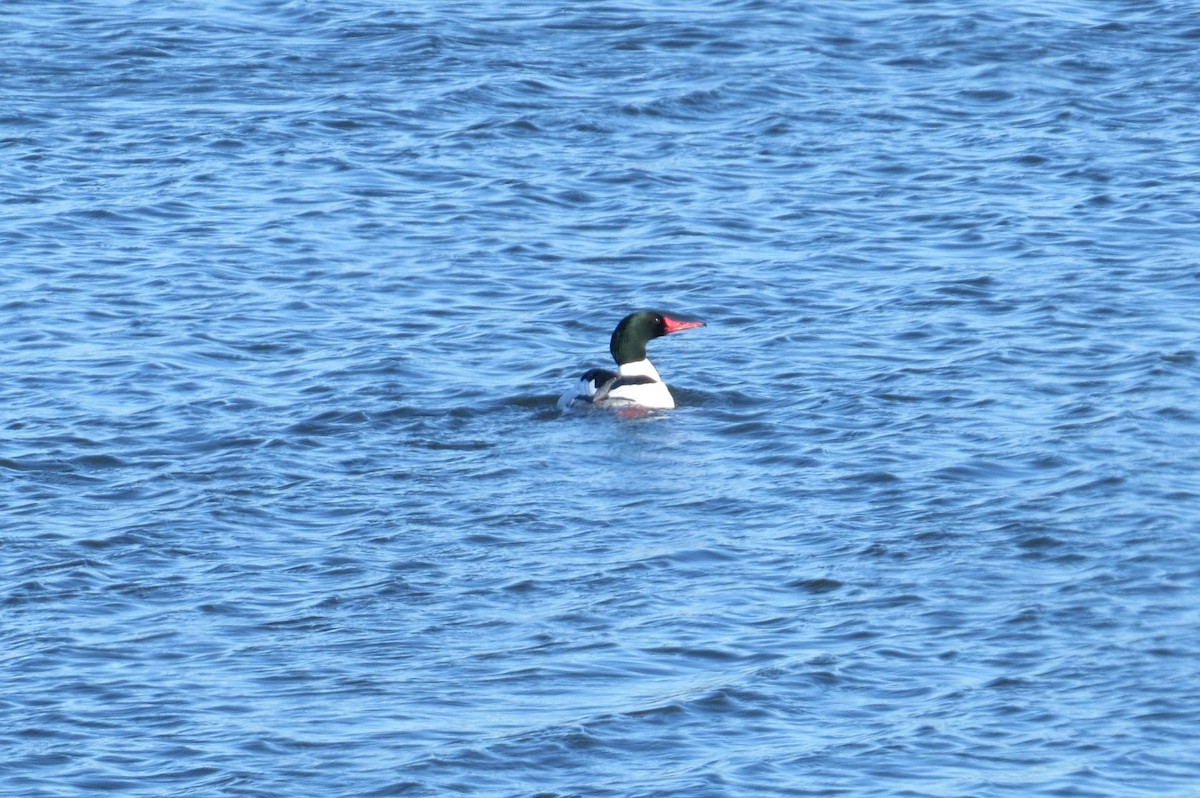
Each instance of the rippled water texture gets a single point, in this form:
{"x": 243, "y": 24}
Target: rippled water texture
{"x": 289, "y": 291}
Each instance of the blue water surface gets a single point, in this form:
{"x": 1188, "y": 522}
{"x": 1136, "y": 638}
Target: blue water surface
{"x": 290, "y": 289}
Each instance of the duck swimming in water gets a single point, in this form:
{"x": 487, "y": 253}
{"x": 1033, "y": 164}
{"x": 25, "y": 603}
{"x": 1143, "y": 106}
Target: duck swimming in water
{"x": 635, "y": 383}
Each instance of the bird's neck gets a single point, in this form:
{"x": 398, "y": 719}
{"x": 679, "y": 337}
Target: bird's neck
{"x": 639, "y": 368}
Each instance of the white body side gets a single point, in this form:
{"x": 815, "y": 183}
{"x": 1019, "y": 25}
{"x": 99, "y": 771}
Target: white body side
{"x": 649, "y": 393}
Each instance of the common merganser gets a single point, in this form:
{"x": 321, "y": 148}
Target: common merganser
{"x": 635, "y": 383}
